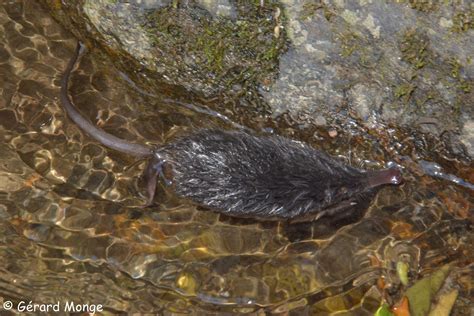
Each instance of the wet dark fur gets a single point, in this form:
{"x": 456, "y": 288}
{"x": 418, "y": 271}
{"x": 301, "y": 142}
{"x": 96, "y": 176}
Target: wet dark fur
{"x": 245, "y": 175}
{"x": 240, "y": 174}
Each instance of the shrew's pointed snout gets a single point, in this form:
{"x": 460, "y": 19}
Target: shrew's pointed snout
{"x": 386, "y": 176}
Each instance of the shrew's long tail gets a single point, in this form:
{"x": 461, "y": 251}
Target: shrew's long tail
{"x": 104, "y": 138}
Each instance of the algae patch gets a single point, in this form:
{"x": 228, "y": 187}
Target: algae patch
{"x": 218, "y": 50}
{"x": 414, "y": 47}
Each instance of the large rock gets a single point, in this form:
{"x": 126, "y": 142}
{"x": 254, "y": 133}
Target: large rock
{"x": 408, "y": 65}
{"x": 207, "y": 47}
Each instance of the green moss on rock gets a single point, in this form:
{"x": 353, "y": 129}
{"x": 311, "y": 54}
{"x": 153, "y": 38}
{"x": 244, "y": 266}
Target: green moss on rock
{"x": 219, "y": 50}
{"x": 463, "y": 21}
{"x": 414, "y": 47}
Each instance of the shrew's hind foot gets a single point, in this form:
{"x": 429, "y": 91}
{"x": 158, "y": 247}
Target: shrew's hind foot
{"x": 153, "y": 170}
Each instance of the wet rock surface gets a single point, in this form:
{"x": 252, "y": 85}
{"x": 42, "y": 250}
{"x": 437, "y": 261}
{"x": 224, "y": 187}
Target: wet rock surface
{"x": 390, "y": 62}
{"x": 209, "y": 48}
{"x": 404, "y": 64}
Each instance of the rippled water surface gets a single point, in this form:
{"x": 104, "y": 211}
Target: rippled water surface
{"x": 71, "y": 228}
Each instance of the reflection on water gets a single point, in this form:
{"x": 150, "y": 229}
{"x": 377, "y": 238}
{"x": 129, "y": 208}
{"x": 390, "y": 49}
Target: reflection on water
{"x": 71, "y": 228}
